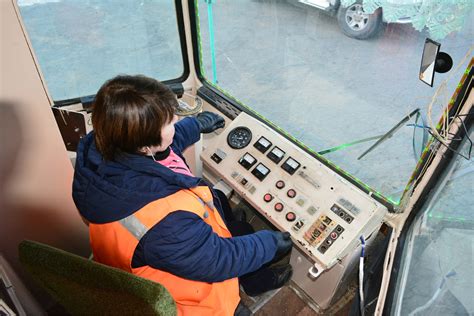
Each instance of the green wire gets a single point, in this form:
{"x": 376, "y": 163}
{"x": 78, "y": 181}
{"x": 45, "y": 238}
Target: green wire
{"x": 211, "y": 40}
{"x": 333, "y": 149}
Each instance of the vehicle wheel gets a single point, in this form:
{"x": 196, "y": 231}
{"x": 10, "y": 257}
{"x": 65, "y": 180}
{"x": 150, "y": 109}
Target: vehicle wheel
{"x": 355, "y": 23}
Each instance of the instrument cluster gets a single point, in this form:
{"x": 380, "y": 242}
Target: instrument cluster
{"x": 296, "y": 192}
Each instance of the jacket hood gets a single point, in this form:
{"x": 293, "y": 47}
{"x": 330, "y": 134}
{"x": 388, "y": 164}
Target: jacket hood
{"x": 107, "y": 191}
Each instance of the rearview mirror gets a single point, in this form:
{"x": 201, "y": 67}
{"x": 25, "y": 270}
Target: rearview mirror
{"x": 433, "y": 61}
{"x": 428, "y": 61}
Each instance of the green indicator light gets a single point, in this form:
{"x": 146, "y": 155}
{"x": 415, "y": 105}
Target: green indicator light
{"x": 333, "y": 149}
{"x": 395, "y": 202}
{"x": 447, "y": 218}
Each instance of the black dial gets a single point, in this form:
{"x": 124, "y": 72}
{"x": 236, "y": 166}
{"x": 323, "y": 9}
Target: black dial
{"x": 239, "y": 137}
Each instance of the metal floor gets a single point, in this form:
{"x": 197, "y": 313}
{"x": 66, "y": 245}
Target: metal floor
{"x": 285, "y": 301}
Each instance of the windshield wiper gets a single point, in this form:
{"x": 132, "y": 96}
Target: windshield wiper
{"x": 390, "y": 133}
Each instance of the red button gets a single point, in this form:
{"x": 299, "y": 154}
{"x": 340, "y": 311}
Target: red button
{"x": 280, "y": 184}
{"x": 333, "y": 235}
{"x": 278, "y": 207}
{"x": 290, "y": 216}
{"x": 291, "y": 193}
{"x": 267, "y": 197}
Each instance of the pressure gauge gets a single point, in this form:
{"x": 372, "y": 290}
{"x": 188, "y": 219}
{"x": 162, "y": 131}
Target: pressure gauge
{"x": 239, "y": 137}
{"x": 262, "y": 144}
{"x": 276, "y": 154}
{"x": 247, "y": 161}
{"x": 260, "y": 171}
{"x": 290, "y": 165}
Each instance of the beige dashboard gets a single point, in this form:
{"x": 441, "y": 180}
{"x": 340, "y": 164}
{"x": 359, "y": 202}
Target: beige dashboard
{"x": 324, "y": 213}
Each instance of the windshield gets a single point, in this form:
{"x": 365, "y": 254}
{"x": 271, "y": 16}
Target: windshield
{"x": 80, "y": 44}
{"x": 437, "y": 260}
{"x": 335, "y": 79}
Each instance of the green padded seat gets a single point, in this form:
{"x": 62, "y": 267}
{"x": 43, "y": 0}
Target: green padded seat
{"x": 85, "y": 287}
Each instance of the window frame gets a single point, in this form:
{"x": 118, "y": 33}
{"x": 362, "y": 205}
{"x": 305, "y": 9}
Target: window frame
{"x": 174, "y": 84}
{"x": 446, "y": 162}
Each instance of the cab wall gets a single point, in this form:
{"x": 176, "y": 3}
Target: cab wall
{"x": 35, "y": 171}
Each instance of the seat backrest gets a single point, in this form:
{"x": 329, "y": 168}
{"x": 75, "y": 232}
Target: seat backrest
{"x": 85, "y": 287}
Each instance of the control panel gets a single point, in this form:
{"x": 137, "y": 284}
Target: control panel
{"x": 324, "y": 213}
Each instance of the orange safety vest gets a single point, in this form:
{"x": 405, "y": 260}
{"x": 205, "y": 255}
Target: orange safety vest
{"x": 114, "y": 244}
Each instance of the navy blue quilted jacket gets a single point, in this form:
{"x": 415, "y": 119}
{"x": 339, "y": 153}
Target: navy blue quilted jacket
{"x": 181, "y": 243}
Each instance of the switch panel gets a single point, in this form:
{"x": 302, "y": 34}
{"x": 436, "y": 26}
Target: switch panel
{"x": 323, "y": 212}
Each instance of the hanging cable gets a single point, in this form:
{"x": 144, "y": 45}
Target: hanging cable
{"x": 437, "y": 137}
{"x": 361, "y": 275}
{"x": 419, "y": 116}
{"x": 440, "y": 136}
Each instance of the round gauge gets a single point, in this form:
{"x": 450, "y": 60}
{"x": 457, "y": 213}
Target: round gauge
{"x": 239, "y": 137}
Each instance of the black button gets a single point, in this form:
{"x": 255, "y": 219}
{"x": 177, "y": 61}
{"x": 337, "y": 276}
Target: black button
{"x": 216, "y": 158}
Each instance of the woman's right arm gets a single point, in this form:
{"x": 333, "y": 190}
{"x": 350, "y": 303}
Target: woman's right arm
{"x": 183, "y": 244}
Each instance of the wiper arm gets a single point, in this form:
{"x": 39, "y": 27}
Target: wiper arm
{"x": 390, "y": 133}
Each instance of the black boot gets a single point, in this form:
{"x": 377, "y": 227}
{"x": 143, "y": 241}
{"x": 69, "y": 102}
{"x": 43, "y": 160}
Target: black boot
{"x": 240, "y": 215}
{"x": 266, "y": 279}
